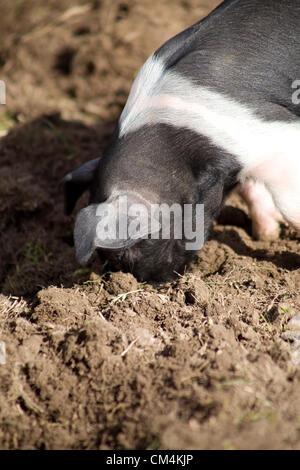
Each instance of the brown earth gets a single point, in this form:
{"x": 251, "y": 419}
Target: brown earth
{"x": 94, "y": 359}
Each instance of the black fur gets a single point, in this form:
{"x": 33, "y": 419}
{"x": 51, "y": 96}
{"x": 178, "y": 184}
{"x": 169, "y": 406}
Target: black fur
{"x": 246, "y": 49}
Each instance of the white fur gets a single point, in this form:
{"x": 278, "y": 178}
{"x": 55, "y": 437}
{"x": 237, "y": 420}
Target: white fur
{"x": 144, "y": 86}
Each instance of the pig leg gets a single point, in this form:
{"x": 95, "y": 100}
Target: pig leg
{"x": 283, "y": 182}
{"x": 292, "y": 333}
{"x": 264, "y": 214}
{"x": 286, "y": 196}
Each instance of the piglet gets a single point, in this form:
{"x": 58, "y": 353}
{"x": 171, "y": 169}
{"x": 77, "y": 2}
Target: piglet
{"x": 211, "y": 110}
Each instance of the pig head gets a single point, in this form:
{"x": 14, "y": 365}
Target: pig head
{"x": 154, "y": 165}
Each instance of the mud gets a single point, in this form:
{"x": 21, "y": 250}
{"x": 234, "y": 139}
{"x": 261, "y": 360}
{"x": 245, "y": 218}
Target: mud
{"x": 94, "y": 359}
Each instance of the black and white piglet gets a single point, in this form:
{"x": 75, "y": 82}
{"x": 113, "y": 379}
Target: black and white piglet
{"x": 209, "y": 111}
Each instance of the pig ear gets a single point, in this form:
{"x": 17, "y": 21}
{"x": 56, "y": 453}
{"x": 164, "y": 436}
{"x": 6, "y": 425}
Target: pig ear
{"x": 77, "y": 181}
{"x": 113, "y": 225}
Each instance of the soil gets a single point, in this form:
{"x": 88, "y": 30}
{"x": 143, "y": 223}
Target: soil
{"x": 94, "y": 359}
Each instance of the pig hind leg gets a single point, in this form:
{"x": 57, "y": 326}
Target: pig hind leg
{"x": 283, "y": 182}
{"x": 287, "y": 198}
{"x": 264, "y": 214}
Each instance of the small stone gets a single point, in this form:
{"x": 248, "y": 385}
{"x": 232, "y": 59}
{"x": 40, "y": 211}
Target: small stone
{"x": 294, "y": 323}
{"x": 2, "y": 353}
{"x": 291, "y": 335}
{"x": 296, "y": 344}
{"x": 196, "y": 292}
{"x": 296, "y": 357}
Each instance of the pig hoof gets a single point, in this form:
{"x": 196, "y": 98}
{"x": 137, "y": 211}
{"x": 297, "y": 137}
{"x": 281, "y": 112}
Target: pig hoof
{"x": 265, "y": 230}
{"x": 293, "y": 334}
